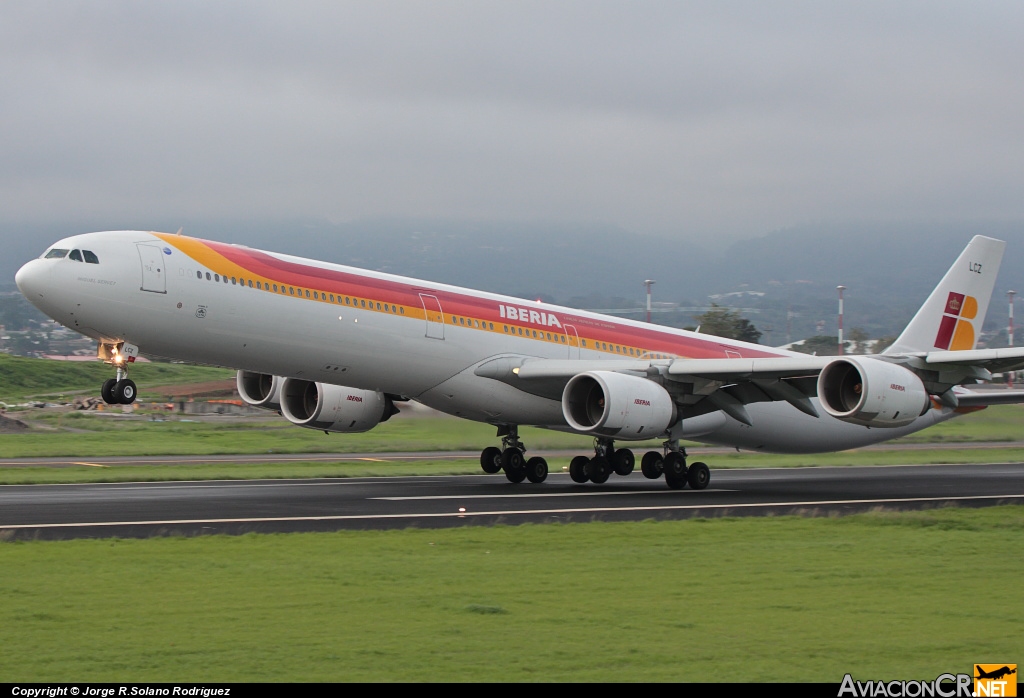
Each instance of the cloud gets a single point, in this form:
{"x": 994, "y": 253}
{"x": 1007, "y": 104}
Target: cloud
{"x": 680, "y": 119}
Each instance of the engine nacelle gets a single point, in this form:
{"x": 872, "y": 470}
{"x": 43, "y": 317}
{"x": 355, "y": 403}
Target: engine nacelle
{"x": 605, "y": 403}
{"x": 333, "y": 407}
{"x": 259, "y": 390}
{"x": 871, "y": 392}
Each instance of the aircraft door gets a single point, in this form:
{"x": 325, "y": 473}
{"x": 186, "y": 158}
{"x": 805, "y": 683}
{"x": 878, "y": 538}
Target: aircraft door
{"x": 154, "y": 274}
{"x": 434, "y": 315}
{"x": 574, "y": 341}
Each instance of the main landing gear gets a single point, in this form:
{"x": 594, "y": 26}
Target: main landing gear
{"x": 512, "y": 459}
{"x": 607, "y": 460}
{"x": 673, "y": 466}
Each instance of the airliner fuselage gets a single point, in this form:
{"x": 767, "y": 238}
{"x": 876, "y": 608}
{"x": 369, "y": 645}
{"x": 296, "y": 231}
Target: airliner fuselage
{"x": 228, "y": 305}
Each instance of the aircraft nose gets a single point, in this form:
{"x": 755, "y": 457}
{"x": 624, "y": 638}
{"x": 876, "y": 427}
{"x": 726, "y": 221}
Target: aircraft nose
{"x": 31, "y": 278}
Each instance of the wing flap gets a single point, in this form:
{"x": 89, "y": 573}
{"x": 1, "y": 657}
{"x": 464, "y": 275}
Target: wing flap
{"x": 985, "y": 398}
{"x": 744, "y": 369}
{"x": 993, "y": 360}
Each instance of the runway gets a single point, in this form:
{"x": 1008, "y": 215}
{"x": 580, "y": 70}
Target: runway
{"x": 235, "y": 507}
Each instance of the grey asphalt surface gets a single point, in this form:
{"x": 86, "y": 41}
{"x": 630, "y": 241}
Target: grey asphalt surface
{"x": 235, "y": 507}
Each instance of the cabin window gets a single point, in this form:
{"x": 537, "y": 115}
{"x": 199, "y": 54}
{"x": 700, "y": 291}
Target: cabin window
{"x": 76, "y": 255}
{"x": 563, "y": 339}
{"x": 90, "y": 258}
{"x": 347, "y": 300}
{"x": 363, "y": 303}
{"x": 199, "y": 275}
{"x": 259, "y": 285}
{"x": 316, "y": 295}
{"x": 332, "y": 298}
{"x": 225, "y": 279}
{"x": 250, "y": 284}
{"x": 56, "y": 253}
{"x": 291, "y": 290}
{"x": 216, "y": 277}
{"x": 402, "y": 311}
{"x": 234, "y": 281}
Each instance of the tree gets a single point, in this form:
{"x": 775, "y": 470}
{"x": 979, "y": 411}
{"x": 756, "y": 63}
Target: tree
{"x": 723, "y": 322}
{"x": 820, "y": 345}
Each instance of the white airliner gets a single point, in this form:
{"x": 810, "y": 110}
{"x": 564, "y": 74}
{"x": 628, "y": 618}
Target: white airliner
{"x": 334, "y": 348}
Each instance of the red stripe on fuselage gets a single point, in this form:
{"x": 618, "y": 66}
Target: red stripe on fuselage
{"x": 459, "y": 304}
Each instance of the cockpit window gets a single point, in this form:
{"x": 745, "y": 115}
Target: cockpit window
{"x": 56, "y": 253}
{"x": 90, "y": 258}
{"x": 75, "y": 255}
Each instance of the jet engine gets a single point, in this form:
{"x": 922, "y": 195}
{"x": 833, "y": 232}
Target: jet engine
{"x": 605, "y": 403}
{"x": 871, "y": 393}
{"x": 333, "y": 407}
{"x": 260, "y": 390}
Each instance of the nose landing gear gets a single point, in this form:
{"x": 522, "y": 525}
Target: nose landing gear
{"x": 120, "y": 390}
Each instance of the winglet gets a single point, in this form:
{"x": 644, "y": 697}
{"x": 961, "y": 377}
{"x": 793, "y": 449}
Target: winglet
{"x": 951, "y": 318}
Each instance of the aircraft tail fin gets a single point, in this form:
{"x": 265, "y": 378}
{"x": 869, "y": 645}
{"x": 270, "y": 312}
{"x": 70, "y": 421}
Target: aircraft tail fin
{"x": 951, "y": 318}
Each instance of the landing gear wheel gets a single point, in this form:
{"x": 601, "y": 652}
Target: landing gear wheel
{"x": 599, "y": 469}
{"x": 578, "y": 469}
{"x": 515, "y": 475}
{"x": 651, "y": 465}
{"x": 124, "y": 391}
{"x": 490, "y": 460}
{"x": 107, "y": 391}
{"x": 623, "y": 462}
{"x": 512, "y": 459}
{"x": 675, "y": 465}
{"x": 698, "y": 475}
{"x": 536, "y": 469}
{"x": 675, "y": 482}
{"x": 512, "y": 463}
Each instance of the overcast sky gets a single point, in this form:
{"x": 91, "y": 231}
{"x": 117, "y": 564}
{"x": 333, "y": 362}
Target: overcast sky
{"x": 706, "y": 121}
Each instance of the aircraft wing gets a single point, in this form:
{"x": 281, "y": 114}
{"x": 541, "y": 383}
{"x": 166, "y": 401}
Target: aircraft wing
{"x": 699, "y": 386}
{"x": 985, "y": 398}
{"x": 992, "y": 360}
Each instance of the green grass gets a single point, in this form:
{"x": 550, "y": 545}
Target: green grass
{"x": 755, "y": 599}
{"x": 21, "y": 377}
{"x": 91, "y": 434}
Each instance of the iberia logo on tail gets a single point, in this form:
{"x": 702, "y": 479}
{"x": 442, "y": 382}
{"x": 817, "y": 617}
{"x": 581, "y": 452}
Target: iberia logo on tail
{"x": 956, "y": 332}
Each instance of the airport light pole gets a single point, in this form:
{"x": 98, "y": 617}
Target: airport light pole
{"x": 841, "y": 289}
{"x": 1009, "y": 334}
{"x": 648, "y": 283}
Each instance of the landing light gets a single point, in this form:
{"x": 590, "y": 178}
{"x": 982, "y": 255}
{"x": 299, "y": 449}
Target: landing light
{"x": 516, "y": 370}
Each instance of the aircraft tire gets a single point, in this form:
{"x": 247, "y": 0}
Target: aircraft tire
{"x": 512, "y": 459}
{"x": 698, "y": 475}
{"x": 578, "y": 469}
{"x": 651, "y": 465}
{"x": 107, "y": 391}
{"x": 675, "y": 463}
{"x": 623, "y": 462}
{"x": 674, "y": 481}
{"x": 125, "y": 391}
{"x": 599, "y": 469}
{"x": 536, "y": 470}
{"x": 515, "y": 475}
{"x": 490, "y": 460}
